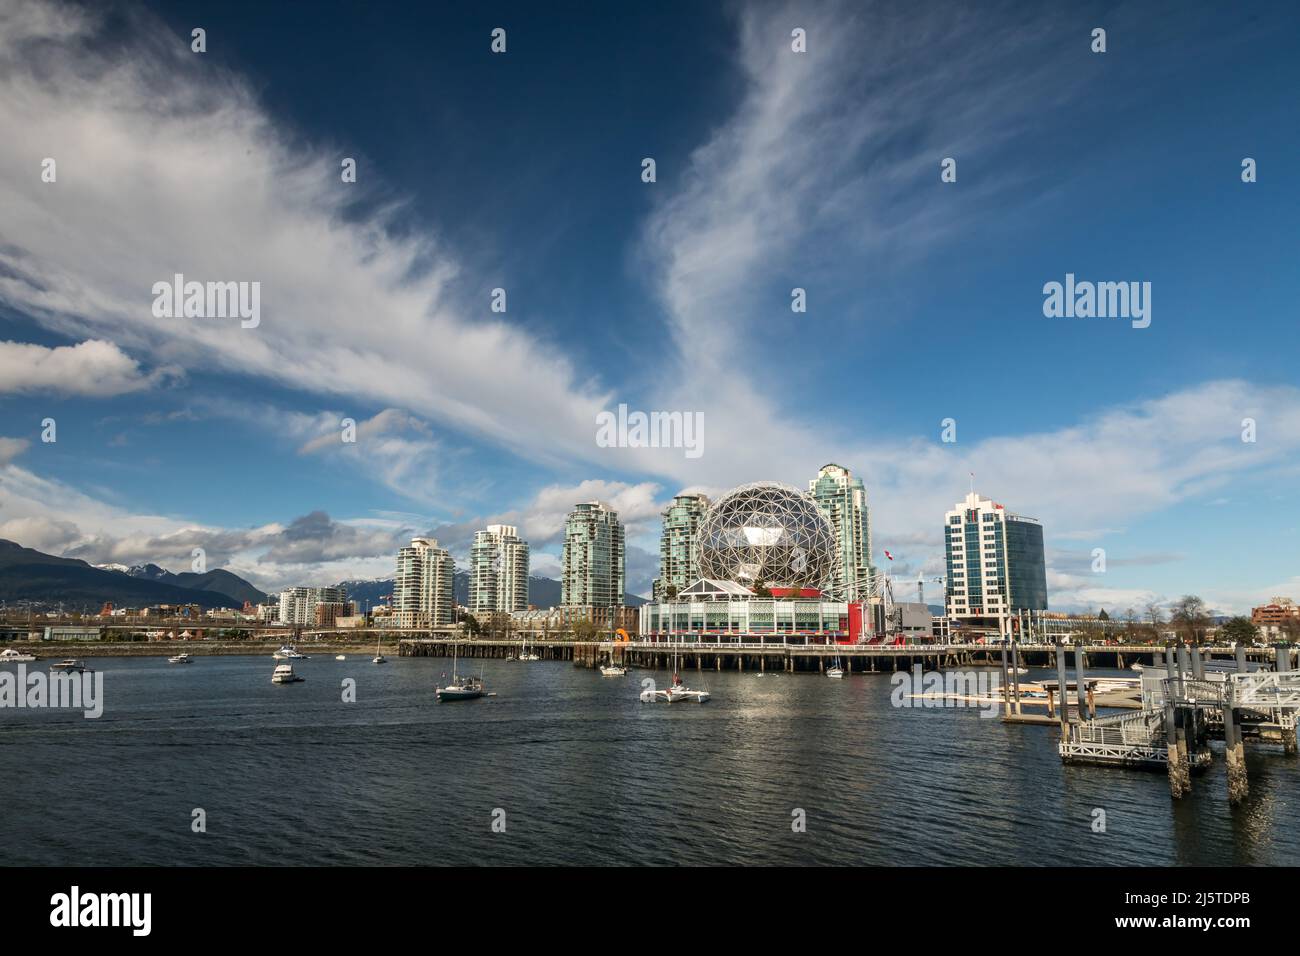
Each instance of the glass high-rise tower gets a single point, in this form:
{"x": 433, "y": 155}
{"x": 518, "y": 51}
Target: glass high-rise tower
{"x": 996, "y": 564}
{"x": 593, "y": 565}
{"x": 677, "y": 544}
{"x": 842, "y": 497}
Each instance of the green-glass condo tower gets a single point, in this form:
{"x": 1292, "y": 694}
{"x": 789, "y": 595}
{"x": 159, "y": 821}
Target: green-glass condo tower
{"x": 842, "y": 497}
{"x": 677, "y": 569}
{"x": 593, "y": 570}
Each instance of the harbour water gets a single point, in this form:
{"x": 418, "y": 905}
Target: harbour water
{"x": 585, "y": 774}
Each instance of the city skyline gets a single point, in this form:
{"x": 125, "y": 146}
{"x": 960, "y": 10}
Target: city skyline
{"x": 174, "y": 434}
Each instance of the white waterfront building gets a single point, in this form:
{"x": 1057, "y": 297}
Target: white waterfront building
{"x": 298, "y": 605}
{"x": 498, "y": 572}
{"x": 424, "y": 586}
{"x": 996, "y": 568}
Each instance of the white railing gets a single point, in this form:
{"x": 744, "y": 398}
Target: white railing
{"x": 1139, "y": 729}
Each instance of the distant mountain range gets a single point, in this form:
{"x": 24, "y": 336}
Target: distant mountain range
{"x": 31, "y": 576}
{"x": 28, "y": 575}
{"x": 220, "y": 581}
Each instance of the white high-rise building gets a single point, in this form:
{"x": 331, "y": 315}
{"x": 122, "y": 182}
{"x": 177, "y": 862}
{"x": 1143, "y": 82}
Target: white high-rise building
{"x": 424, "y": 592}
{"x": 298, "y": 605}
{"x": 498, "y": 572}
{"x": 996, "y": 567}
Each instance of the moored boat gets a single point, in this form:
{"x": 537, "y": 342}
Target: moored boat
{"x": 284, "y": 674}
{"x": 11, "y": 656}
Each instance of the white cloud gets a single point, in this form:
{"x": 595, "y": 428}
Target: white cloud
{"x": 348, "y": 306}
{"x": 95, "y": 367}
{"x": 11, "y": 448}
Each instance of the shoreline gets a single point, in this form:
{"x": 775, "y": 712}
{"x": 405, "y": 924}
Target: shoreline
{"x": 65, "y": 649}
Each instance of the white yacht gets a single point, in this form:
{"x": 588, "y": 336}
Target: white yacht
{"x": 284, "y": 675}
{"x": 288, "y": 652}
{"x": 613, "y": 670}
{"x": 69, "y": 664}
{"x": 11, "y": 656}
{"x": 179, "y": 659}
{"x": 340, "y": 657}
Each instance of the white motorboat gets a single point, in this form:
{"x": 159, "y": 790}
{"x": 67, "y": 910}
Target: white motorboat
{"x": 11, "y": 656}
{"x": 179, "y": 659}
{"x": 613, "y": 670}
{"x": 284, "y": 675}
{"x": 459, "y": 688}
{"x": 69, "y": 665}
{"x": 340, "y": 657}
{"x": 288, "y": 652}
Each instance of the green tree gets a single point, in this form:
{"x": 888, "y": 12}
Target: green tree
{"x": 760, "y": 589}
{"x": 1190, "y": 617}
{"x": 1240, "y": 630}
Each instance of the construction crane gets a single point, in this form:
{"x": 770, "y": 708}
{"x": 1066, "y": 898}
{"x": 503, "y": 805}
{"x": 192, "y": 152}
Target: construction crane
{"x": 920, "y": 586}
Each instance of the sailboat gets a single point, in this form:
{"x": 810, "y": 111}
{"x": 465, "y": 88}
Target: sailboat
{"x": 460, "y": 688}
{"x": 526, "y": 654}
{"x": 379, "y": 657}
{"x": 835, "y": 670}
{"x": 677, "y": 690}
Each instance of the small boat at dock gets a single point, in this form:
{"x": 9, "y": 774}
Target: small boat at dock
{"x": 11, "y": 656}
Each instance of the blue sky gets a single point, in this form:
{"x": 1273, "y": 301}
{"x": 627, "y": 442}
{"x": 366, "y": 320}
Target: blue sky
{"x": 775, "y": 170}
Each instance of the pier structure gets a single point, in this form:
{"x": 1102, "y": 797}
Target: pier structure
{"x": 789, "y": 654}
{"x": 1183, "y": 708}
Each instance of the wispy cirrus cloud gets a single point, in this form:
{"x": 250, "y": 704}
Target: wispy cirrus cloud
{"x": 366, "y": 310}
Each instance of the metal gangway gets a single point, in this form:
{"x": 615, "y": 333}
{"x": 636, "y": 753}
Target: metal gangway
{"x": 1263, "y": 700}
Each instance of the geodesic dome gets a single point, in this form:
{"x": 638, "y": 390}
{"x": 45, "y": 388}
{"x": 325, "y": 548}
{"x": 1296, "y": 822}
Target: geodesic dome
{"x": 767, "y": 532}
